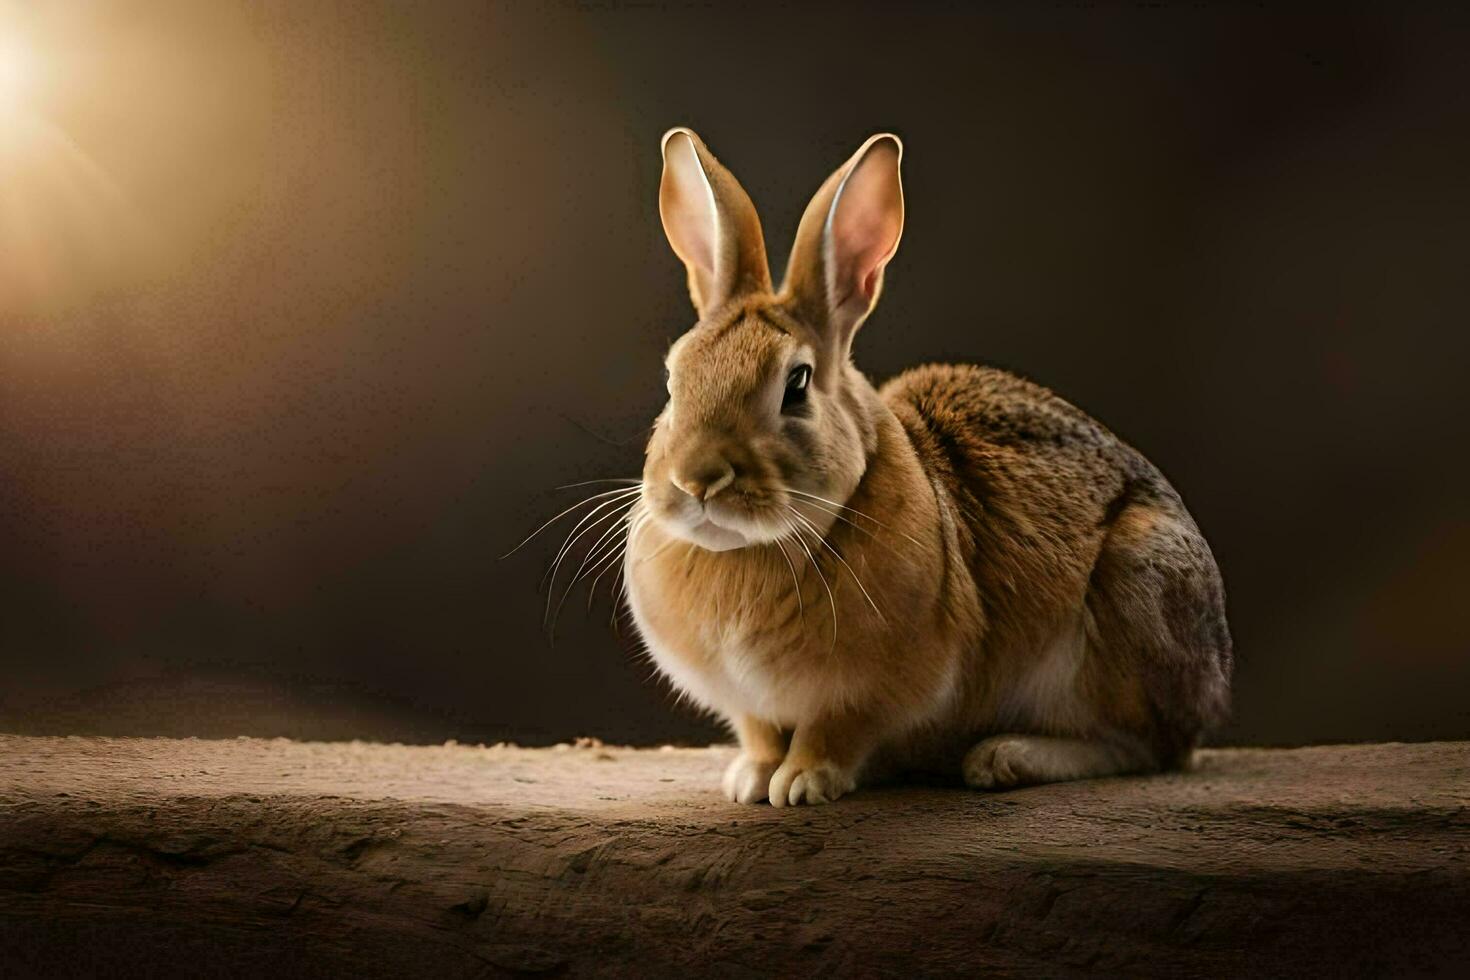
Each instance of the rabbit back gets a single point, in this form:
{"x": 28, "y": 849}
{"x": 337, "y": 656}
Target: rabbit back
{"x": 1102, "y": 604}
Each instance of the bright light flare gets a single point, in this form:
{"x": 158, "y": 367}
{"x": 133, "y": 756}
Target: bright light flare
{"x": 17, "y": 75}
{"x": 66, "y": 229}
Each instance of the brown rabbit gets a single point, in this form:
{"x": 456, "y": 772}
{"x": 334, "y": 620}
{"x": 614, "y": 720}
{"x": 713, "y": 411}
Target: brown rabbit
{"x": 960, "y": 570}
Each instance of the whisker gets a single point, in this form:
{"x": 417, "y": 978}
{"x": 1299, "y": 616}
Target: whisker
{"x": 617, "y": 547}
{"x": 818, "y": 568}
{"x": 825, "y": 500}
{"x": 567, "y": 592}
{"x": 606, "y": 565}
{"x": 854, "y": 525}
{"x": 854, "y": 510}
{"x": 660, "y": 549}
{"x": 558, "y": 517}
{"x": 623, "y": 497}
{"x": 596, "y": 553}
{"x": 595, "y": 559}
{"x": 576, "y": 535}
{"x": 639, "y": 523}
{"x": 588, "y": 483}
{"x": 592, "y": 559}
{"x": 620, "y": 580}
{"x": 838, "y": 555}
{"x": 795, "y": 580}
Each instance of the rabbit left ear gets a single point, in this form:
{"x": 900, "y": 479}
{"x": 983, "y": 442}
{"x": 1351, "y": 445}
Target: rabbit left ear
{"x": 711, "y": 223}
{"x": 847, "y": 236}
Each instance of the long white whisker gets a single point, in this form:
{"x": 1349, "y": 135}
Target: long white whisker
{"x": 575, "y": 536}
{"x": 593, "y": 559}
{"x": 853, "y": 524}
{"x": 853, "y": 510}
{"x": 619, "y": 520}
{"x": 558, "y": 517}
{"x": 607, "y": 564}
{"x": 818, "y": 568}
{"x": 795, "y": 581}
{"x": 601, "y": 562}
{"x": 596, "y": 553}
{"x": 621, "y": 498}
{"x": 813, "y": 496}
{"x": 620, "y": 589}
{"x": 660, "y": 549}
{"x": 639, "y": 523}
{"x": 588, "y": 483}
{"x": 838, "y": 555}
{"x": 619, "y": 586}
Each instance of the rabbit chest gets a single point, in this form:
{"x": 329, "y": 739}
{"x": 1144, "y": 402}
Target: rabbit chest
{"x": 733, "y": 636}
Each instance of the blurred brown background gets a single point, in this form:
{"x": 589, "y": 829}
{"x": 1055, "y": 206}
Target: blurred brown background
{"x": 306, "y": 307}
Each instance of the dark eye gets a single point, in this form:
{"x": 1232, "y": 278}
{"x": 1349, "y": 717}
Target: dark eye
{"x": 796, "y": 385}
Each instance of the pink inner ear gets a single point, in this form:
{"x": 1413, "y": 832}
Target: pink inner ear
{"x": 687, "y": 210}
{"x": 692, "y": 234}
{"x": 866, "y": 223}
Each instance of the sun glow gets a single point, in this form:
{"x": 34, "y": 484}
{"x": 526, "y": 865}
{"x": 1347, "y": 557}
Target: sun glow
{"x": 16, "y": 72}
{"x": 65, "y": 227}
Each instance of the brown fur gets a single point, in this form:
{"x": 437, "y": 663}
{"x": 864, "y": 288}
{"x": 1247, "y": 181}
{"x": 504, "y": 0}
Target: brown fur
{"x": 1033, "y": 575}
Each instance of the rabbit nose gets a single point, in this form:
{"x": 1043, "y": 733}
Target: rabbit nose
{"x": 704, "y": 478}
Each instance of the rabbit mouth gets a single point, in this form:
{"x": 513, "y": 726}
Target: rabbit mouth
{"x": 714, "y": 528}
{"x": 716, "y": 537}
{"x": 737, "y": 518}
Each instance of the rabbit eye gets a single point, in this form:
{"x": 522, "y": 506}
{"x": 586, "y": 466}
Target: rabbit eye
{"x": 796, "y": 385}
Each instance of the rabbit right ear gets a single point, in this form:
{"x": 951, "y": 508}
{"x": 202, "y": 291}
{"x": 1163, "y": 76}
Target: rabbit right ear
{"x": 847, "y": 235}
{"x": 711, "y": 223}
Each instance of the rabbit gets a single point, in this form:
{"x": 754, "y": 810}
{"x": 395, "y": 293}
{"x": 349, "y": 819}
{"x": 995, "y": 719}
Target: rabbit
{"x": 956, "y": 572}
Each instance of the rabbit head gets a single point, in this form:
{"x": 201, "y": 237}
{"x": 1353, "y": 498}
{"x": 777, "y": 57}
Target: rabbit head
{"x": 766, "y": 412}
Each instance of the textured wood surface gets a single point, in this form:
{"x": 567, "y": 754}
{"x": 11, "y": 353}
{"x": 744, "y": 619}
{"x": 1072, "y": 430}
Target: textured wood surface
{"x": 165, "y": 857}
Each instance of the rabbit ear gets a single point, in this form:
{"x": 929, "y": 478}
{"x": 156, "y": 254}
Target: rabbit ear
{"x": 711, "y": 223}
{"x": 849, "y": 232}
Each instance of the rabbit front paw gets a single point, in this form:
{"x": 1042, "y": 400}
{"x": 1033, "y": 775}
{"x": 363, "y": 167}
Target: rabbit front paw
{"x": 747, "y": 778}
{"x": 795, "y": 783}
{"x": 1001, "y": 762}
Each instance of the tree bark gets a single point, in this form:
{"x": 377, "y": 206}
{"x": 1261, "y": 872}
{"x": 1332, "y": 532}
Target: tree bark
{"x": 165, "y": 857}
